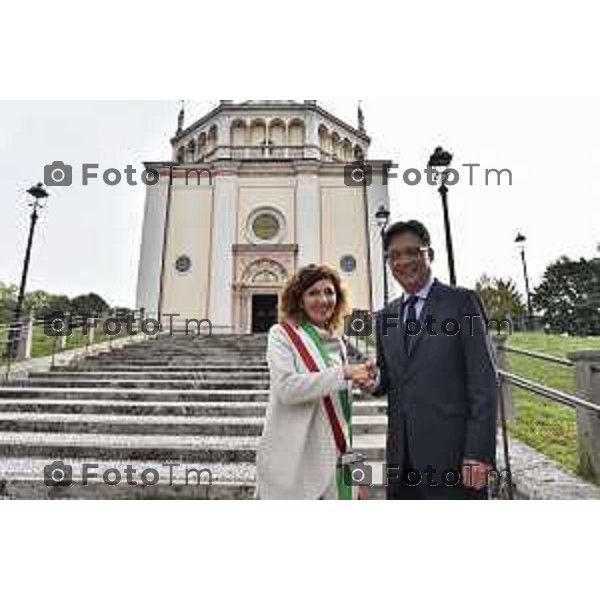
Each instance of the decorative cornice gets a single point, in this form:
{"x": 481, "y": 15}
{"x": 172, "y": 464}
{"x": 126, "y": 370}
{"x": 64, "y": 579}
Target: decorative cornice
{"x": 224, "y": 167}
{"x": 226, "y": 106}
{"x": 265, "y": 248}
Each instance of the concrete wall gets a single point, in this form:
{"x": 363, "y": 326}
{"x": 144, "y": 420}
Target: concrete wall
{"x": 326, "y": 220}
{"x": 190, "y": 234}
{"x": 151, "y": 251}
{"x": 344, "y": 233}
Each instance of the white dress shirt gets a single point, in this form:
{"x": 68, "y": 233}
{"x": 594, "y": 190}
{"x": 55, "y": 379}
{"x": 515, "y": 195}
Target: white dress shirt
{"x": 422, "y": 296}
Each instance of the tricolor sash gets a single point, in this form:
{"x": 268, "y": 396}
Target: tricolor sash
{"x": 312, "y": 351}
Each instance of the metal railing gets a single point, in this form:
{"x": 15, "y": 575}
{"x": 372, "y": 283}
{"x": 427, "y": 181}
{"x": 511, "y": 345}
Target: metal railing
{"x": 550, "y": 423}
{"x": 80, "y": 331}
{"x": 549, "y": 393}
{"x": 543, "y": 357}
{"x": 583, "y": 402}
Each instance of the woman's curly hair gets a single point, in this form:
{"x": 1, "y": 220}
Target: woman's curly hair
{"x": 291, "y": 299}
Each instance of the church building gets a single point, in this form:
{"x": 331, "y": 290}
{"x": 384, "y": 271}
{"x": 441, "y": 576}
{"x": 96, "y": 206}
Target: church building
{"x": 254, "y": 191}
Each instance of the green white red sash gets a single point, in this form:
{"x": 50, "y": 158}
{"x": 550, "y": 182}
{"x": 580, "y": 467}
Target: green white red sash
{"x": 316, "y": 358}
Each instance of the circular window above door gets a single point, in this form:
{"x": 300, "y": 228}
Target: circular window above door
{"x": 266, "y": 226}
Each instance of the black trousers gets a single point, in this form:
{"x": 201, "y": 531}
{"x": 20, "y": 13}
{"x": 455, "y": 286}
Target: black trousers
{"x": 399, "y": 489}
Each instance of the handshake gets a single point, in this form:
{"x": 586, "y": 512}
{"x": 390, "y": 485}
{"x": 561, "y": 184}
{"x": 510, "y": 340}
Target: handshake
{"x": 363, "y": 375}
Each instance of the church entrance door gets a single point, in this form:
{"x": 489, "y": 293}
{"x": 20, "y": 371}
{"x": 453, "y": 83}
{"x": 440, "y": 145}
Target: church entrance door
{"x": 264, "y": 312}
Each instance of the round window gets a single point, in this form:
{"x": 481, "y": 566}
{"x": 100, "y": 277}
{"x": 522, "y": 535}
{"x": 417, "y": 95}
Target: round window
{"x": 183, "y": 264}
{"x": 266, "y": 227}
{"x": 348, "y": 264}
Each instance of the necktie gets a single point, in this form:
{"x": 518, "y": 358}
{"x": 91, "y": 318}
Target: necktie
{"x": 410, "y": 323}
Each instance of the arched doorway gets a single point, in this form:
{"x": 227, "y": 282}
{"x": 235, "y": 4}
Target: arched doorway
{"x": 265, "y": 308}
{"x": 256, "y": 301}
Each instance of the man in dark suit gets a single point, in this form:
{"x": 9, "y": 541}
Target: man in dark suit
{"x": 436, "y": 365}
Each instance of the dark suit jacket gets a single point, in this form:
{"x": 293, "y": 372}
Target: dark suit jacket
{"x": 444, "y": 396}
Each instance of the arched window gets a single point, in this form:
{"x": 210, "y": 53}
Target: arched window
{"x": 238, "y": 133}
{"x": 201, "y": 146}
{"x": 212, "y": 139}
{"x": 277, "y": 135}
{"x": 324, "y": 139}
{"x": 296, "y": 133}
{"x": 258, "y": 133}
{"x": 346, "y": 151}
{"x": 336, "y": 146}
{"x": 191, "y": 151}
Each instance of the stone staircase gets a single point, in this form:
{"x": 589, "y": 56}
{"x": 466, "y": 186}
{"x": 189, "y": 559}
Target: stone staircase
{"x": 198, "y": 403}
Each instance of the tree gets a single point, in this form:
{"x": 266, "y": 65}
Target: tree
{"x": 501, "y": 298}
{"x": 88, "y": 304}
{"x": 37, "y": 301}
{"x": 43, "y": 304}
{"x": 569, "y": 297}
{"x": 56, "y": 304}
{"x": 8, "y": 301}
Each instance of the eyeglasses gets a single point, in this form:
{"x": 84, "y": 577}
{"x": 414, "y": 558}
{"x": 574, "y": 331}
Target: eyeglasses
{"x": 410, "y": 254}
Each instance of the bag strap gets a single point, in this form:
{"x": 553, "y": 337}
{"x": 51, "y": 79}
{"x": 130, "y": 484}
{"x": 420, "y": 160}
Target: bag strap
{"x": 311, "y": 365}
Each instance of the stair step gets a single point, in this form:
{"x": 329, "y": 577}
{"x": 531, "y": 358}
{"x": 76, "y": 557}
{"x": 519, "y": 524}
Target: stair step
{"x": 152, "y": 407}
{"x": 23, "y": 478}
{"x": 153, "y": 447}
{"x": 153, "y": 424}
{"x": 129, "y": 447}
{"x": 168, "y": 362}
{"x": 175, "y": 395}
{"x": 131, "y": 407}
{"x": 153, "y": 375}
{"x": 180, "y": 384}
{"x": 166, "y": 369}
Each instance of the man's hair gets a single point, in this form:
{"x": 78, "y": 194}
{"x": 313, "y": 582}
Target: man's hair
{"x": 415, "y": 227}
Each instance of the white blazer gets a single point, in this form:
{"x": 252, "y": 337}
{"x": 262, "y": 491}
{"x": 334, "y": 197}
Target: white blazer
{"x": 297, "y": 457}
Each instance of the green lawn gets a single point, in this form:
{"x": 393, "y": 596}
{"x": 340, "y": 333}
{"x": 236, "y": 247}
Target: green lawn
{"x": 544, "y": 425}
{"x": 42, "y": 345}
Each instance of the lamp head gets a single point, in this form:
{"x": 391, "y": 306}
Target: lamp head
{"x": 38, "y": 191}
{"x": 440, "y": 159}
{"x": 521, "y": 241}
{"x": 382, "y": 216}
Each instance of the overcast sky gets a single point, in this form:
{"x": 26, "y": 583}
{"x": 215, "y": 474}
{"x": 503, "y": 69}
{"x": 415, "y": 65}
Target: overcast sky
{"x": 88, "y": 238}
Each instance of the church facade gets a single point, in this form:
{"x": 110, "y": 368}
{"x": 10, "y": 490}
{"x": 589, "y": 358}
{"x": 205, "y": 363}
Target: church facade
{"x": 253, "y": 192}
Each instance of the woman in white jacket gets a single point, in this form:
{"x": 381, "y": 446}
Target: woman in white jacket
{"x": 309, "y": 418}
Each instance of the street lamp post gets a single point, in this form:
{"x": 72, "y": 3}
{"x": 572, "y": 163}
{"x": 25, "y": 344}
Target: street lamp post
{"x": 383, "y": 219}
{"x": 440, "y": 161}
{"x": 521, "y": 241}
{"x": 38, "y": 193}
